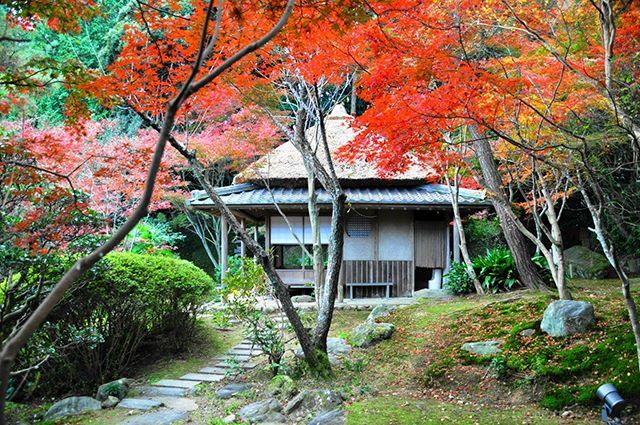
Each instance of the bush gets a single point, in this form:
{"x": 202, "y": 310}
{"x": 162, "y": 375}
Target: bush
{"x": 483, "y": 234}
{"x": 127, "y": 303}
{"x": 496, "y": 270}
{"x": 458, "y": 280}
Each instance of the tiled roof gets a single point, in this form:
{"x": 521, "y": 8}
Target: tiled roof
{"x": 247, "y": 194}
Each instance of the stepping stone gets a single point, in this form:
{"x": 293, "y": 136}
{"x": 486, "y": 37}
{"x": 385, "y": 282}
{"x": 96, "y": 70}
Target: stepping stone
{"x": 163, "y": 417}
{"x": 213, "y": 370}
{"x": 164, "y": 391}
{"x": 139, "y": 404}
{"x": 203, "y": 377}
{"x": 177, "y": 403}
{"x": 244, "y": 352}
{"x": 230, "y": 390}
{"x": 238, "y": 357}
{"x": 240, "y": 365}
{"x": 176, "y": 383}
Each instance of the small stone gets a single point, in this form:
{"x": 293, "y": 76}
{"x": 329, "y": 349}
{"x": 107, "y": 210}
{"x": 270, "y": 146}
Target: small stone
{"x": 440, "y": 294}
{"x": 333, "y": 417}
{"x": 567, "y": 317}
{"x": 483, "y": 348}
{"x": 110, "y": 402}
{"x": 527, "y": 332}
{"x": 72, "y": 406}
{"x": 263, "y": 411}
{"x": 229, "y": 419}
{"x": 567, "y": 414}
{"x": 367, "y": 333}
{"x": 302, "y": 299}
{"x": 230, "y": 390}
{"x": 118, "y": 388}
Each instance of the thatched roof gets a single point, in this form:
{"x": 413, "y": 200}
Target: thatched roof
{"x": 283, "y": 166}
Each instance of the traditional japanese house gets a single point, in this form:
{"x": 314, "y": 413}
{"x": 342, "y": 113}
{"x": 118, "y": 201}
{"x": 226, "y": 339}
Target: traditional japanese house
{"x": 399, "y": 236}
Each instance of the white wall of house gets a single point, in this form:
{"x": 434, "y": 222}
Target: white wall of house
{"x": 360, "y": 248}
{"x": 395, "y": 235}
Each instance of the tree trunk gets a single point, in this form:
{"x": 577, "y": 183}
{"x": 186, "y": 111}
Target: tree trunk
{"x": 609, "y": 253}
{"x": 463, "y": 240}
{"x": 517, "y": 242}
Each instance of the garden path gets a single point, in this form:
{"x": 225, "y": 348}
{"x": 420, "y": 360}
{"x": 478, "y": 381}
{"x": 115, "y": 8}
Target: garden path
{"x": 171, "y": 399}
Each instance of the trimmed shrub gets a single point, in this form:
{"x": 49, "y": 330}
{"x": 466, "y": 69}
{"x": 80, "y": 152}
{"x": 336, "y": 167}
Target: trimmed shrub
{"x": 128, "y": 306}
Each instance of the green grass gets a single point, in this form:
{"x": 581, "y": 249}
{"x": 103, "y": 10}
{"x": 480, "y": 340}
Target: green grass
{"x": 400, "y": 411}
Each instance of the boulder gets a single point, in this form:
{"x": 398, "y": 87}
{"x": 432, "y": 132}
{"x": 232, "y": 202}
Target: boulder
{"x": 381, "y": 310}
{"x": 110, "y": 402}
{"x": 567, "y": 317}
{"x": 333, "y": 417}
{"x": 263, "y": 411}
{"x": 230, "y": 390}
{"x": 313, "y": 401}
{"x": 303, "y": 299}
{"x": 483, "y": 348}
{"x": 367, "y": 333}
{"x": 584, "y": 263}
{"x": 336, "y": 348}
{"x": 282, "y": 385}
{"x": 438, "y": 294}
{"x": 72, "y": 406}
{"x": 118, "y": 388}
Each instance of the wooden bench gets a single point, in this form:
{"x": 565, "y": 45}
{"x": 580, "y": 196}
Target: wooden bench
{"x": 369, "y": 284}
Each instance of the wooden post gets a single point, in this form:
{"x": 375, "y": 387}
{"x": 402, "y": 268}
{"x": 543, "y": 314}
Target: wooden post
{"x": 255, "y": 232}
{"x": 224, "y": 247}
{"x": 456, "y": 243}
{"x": 243, "y": 248}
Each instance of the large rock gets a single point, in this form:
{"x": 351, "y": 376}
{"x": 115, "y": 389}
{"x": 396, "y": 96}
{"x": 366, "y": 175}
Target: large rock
{"x": 118, "y": 389}
{"x": 282, "y": 385}
{"x": 313, "y": 401}
{"x": 263, "y": 411}
{"x": 336, "y": 348}
{"x": 367, "y": 333}
{"x": 483, "y": 348}
{"x": 380, "y": 310}
{"x": 567, "y": 317}
{"x": 72, "y": 406}
{"x": 334, "y": 417}
{"x": 586, "y": 264}
{"x": 438, "y": 294}
{"x": 230, "y": 390}
{"x": 302, "y": 299}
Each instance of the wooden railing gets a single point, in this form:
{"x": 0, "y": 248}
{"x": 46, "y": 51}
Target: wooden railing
{"x": 400, "y": 273}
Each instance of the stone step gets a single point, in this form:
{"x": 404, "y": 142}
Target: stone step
{"x": 177, "y": 383}
{"x": 139, "y": 404}
{"x": 214, "y": 370}
{"x": 162, "y": 417}
{"x": 164, "y": 391}
{"x": 246, "y": 352}
{"x": 240, "y": 365}
{"x": 203, "y": 377}
{"x": 237, "y": 357}
{"x": 177, "y": 403}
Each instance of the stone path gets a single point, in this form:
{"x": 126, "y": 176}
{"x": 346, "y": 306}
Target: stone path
{"x": 170, "y": 398}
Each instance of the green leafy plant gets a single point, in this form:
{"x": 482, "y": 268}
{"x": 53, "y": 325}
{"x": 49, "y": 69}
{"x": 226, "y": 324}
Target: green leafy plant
{"x": 458, "y": 280}
{"x": 496, "y": 270}
{"x": 240, "y": 290}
